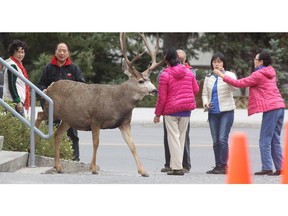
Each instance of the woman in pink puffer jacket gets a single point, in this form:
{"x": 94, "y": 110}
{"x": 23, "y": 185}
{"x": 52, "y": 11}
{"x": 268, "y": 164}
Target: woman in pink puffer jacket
{"x": 176, "y": 98}
{"x": 264, "y": 97}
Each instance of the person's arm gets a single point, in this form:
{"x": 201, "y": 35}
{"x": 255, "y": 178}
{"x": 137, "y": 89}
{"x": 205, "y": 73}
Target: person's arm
{"x": 157, "y": 118}
{"x": 162, "y": 95}
{"x": 232, "y": 75}
{"x": 13, "y": 89}
{"x": 249, "y": 81}
{"x": 43, "y": 80}
{"x": 12, "y": 85}
{"x": 205, "y": 96}
{"x": 78, "y": 74}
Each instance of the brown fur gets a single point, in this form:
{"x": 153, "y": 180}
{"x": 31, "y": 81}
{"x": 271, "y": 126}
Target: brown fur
{"x": 98, "y": 106}
{"x": 94, "y": 107}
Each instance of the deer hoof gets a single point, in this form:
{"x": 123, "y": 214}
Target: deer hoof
{"x": 58, "y": 169}
{"x": 93, "y": 169}
{"x": 143, "y": 172}
{"x": 145, "y": 175}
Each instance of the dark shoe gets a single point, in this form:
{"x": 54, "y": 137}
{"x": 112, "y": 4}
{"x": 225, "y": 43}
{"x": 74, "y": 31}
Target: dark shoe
{"x": 217, "y": 170}
{"x": 76, "y": 159}
{"x": 176, "y": 172}
{"x": 185, "y": 170}
{"x": 264, "y": 172}
{"x": 166, "y": 169}
{"x": 222, "y": 170}
{"x": 276, "y": 173}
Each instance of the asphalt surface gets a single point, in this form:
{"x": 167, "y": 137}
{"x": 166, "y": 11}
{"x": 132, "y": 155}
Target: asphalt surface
{"x": 124, "y": 192}
{"x": 144, "y": 117}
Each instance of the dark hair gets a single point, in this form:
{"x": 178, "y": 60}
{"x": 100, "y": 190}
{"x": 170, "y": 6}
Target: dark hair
{"x": 170, "y": 55}
{"x": 265, "y": 56}
{"x": 221, "y": 57}
{"x": 15, "y": 46}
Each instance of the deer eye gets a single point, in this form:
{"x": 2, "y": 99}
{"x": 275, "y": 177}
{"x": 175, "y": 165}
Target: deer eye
{"x": 141, "y": 81}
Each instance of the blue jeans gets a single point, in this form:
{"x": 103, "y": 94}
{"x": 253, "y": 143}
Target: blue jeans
{"x": 220, "y": 127}
{"x": 270, "y": 139}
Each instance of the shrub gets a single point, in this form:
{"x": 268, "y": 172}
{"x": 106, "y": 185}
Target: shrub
{"x": 17, "y": 137}
{"x": 47, "y": 148}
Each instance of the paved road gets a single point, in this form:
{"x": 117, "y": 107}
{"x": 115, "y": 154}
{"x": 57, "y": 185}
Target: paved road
{"x": 117, "y": 187}
{"x": 114, "y": 154}
{"x": 118, "y": 166}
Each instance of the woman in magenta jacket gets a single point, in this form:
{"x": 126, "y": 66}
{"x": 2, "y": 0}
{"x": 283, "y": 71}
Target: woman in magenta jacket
{"x": 176, "y": 98}
{"x": 264, "y": 97}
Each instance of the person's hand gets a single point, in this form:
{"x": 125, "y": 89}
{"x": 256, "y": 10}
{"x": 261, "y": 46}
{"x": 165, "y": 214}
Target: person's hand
{"x": 156, "y": 119}
{"x": 207, "y": 107}
{"x": 19, "y": 107}
{"x": 219, "y": 72}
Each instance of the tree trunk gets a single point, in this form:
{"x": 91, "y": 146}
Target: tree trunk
{"x": 177, "y": 40}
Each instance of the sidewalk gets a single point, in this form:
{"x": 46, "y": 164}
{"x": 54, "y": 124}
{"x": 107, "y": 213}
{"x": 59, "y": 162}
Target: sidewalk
{"x": 199, "y": 118}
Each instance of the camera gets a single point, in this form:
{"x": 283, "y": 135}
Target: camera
{"x": 209, "y": 107}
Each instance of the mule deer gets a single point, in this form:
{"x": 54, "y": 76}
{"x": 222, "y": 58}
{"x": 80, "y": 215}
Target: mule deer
{"x": 99, "y": 106}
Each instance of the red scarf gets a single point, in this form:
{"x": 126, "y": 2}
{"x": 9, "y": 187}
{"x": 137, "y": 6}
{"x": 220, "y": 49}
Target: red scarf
{"x": 22, "y": 68}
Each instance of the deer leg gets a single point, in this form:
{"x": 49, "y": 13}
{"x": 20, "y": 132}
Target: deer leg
{"x": 126, "y": 134}
{"x": 57, "y": 140}
{"x": 95, "y": 137}
{"x": 38, "y": 121}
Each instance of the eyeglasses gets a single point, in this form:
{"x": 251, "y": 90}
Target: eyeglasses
{"x": 62, "y": 50}
{"x": 255, "y": 59}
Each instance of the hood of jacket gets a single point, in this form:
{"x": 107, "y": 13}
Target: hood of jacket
{"x": 178, "y": 71}
{"x": 269, "y": 72}
{"x": 54, "y": 61}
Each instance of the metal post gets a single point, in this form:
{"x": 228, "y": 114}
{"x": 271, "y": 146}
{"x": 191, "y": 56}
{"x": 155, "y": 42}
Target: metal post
{"x": 32, "y": 123}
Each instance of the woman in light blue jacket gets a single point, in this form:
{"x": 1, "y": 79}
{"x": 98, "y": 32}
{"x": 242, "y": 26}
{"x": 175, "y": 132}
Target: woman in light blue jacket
{"x": 218, "y": 100}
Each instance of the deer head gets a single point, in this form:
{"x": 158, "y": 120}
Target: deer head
{"x": 130, "y": 70}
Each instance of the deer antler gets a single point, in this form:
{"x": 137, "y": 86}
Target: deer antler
{"x": 152, "y": 54}
{"x": 129, "y": 63}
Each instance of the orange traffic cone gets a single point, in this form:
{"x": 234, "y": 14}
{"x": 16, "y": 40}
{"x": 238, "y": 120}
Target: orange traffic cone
{"x": 284, "y": 172}
{"x": 238, "y": 163}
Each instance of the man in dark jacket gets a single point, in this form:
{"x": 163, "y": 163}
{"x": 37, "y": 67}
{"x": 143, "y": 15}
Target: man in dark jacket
{"x": 61, "y": 68}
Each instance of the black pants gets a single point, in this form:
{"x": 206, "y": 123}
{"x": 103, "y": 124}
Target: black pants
{"x": 73, "y": 135}
{"x": 186, "y": 163}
